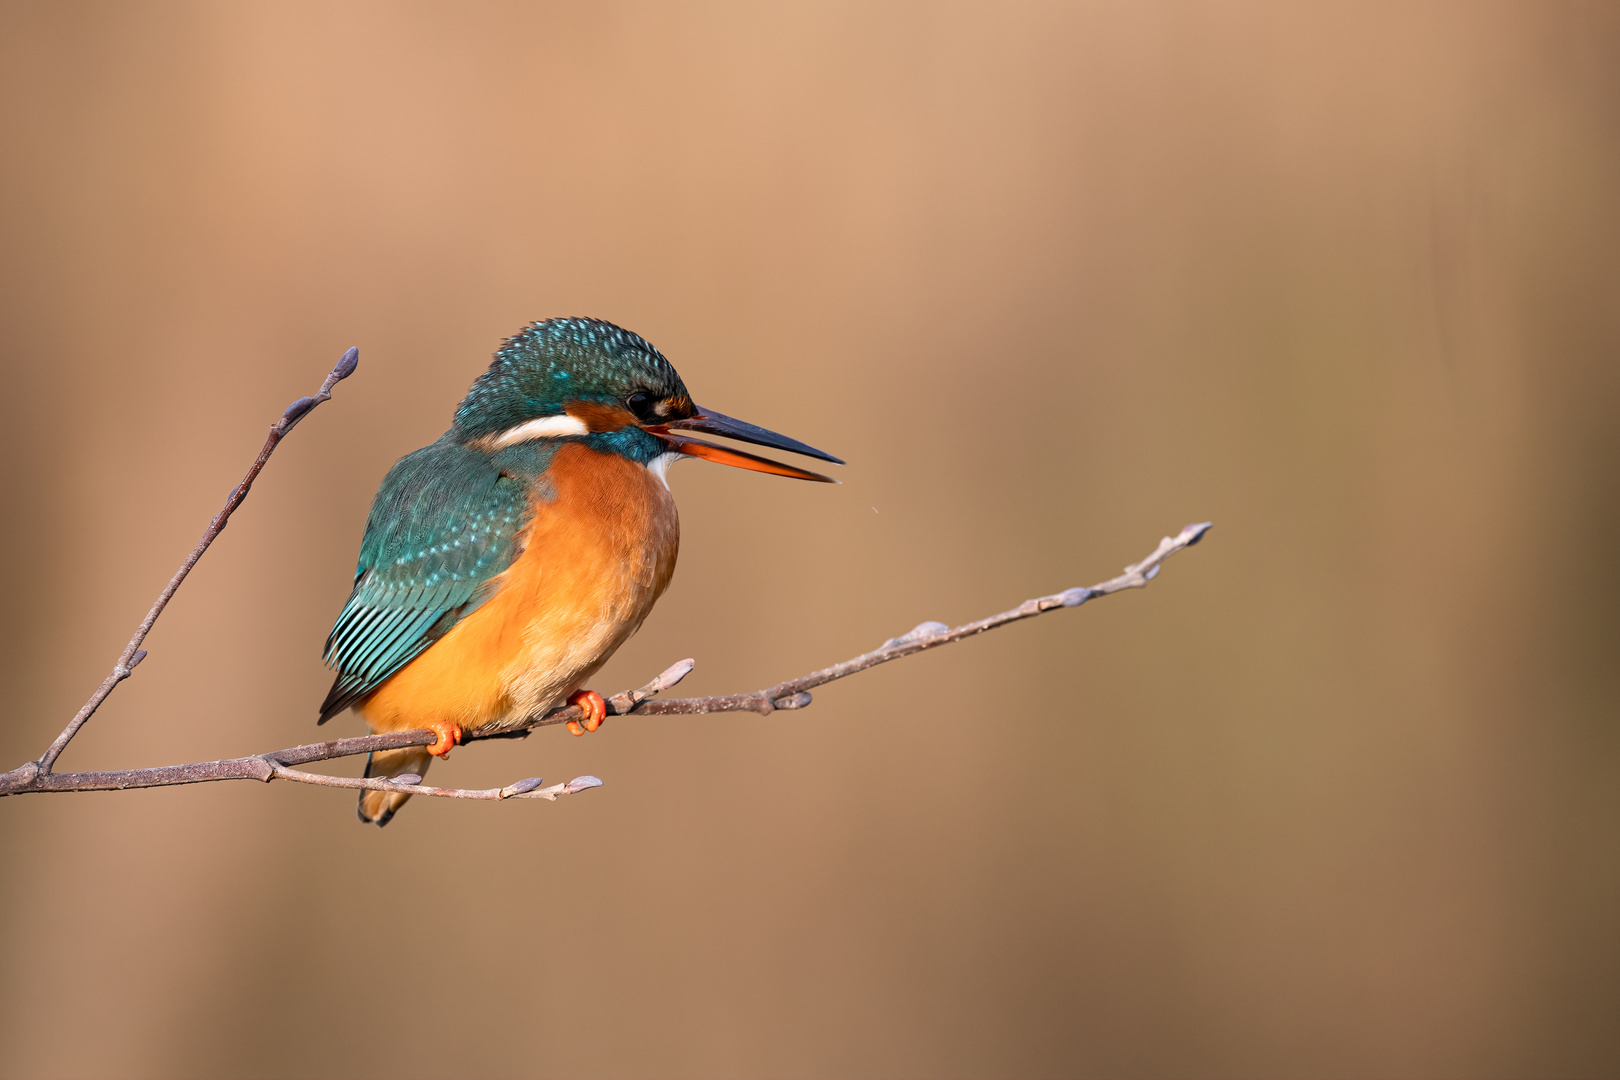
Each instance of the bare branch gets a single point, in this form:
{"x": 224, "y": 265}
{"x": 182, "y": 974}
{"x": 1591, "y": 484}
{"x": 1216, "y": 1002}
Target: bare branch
{"x": 133, "y": 654}
{"x": 792, "y": 694}
{"x": 36, "y": 776}
{"x": 411, "y": 784}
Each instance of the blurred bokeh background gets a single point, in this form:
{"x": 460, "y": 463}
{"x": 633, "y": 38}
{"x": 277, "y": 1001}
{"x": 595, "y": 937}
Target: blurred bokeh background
{"x": 1337, "y": 796}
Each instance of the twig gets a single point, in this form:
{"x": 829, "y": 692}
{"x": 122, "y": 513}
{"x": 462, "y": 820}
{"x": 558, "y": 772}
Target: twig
{"x": 792, "y": 694}
{"x": 412, "y": 785}
{"x": 133, "y": 654}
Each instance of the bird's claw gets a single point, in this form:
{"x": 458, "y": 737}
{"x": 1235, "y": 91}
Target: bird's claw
{"x": 592, "y": 706}
{"x": 449, "y": 737}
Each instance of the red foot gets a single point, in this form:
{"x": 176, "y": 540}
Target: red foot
{"x": 449, "y": 733}
{"x": 591, "y": 704}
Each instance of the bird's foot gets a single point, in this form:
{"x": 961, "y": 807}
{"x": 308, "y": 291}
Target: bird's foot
{"x": 591, "y": 704}
{"x": 449, "y": 737}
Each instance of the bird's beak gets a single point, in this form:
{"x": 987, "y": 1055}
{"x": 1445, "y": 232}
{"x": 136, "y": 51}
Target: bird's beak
{"x": 715, "y": 423}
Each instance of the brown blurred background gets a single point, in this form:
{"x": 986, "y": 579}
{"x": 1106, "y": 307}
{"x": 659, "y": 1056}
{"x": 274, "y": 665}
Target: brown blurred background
{"x": 1336, "y": 797}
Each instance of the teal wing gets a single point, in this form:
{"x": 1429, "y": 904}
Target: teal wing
{"x": 445, "y": 523}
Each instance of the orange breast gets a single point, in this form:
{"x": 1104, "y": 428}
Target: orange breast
{"x": 598, "y": 555}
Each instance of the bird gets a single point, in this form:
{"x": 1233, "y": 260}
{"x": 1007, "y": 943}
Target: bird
{"x": 503, "y": 564}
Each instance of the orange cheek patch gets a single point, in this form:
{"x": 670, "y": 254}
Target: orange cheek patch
{"x": 600, "y": 417}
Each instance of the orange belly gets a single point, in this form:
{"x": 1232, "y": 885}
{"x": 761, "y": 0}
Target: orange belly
{"x": 597, "y": 556}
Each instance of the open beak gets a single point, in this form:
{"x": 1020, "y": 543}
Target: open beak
{"x": 715, "y": 423}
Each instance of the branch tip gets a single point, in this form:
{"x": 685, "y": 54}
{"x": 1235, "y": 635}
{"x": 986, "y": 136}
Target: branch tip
{"x": 671, "y": 676}
{"x": 346, "y": 364}
{"x": 522, "y": 787}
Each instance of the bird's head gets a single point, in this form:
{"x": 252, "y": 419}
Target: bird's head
{"x": 590, "y": 380}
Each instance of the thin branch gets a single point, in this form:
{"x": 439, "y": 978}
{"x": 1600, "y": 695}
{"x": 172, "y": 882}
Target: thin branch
{"x": 792, "y": 694}
{"x": 411, "y": 784}
{"x": 133, "y": 654}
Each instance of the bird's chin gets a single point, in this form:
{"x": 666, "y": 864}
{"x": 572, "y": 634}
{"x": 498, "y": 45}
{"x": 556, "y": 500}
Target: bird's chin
{"x": 659, "y": 466}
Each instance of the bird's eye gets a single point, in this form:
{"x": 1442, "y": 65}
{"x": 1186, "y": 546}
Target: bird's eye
{"x": 640, "y": 404}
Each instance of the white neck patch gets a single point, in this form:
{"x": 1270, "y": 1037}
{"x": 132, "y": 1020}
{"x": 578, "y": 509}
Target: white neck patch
{"x": 659, "y": 466}
{"x": 546, "y": 427}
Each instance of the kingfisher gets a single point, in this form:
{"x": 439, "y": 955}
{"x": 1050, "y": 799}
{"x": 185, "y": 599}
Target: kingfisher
{"x": 503, "y": 564}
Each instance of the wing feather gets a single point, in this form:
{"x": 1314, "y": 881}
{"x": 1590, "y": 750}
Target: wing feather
{"x": 445, "y": 524}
